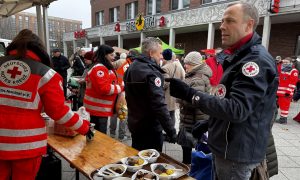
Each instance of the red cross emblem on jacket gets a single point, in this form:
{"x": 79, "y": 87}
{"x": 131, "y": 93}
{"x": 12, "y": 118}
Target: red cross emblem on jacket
{"x": 14, "y": 72}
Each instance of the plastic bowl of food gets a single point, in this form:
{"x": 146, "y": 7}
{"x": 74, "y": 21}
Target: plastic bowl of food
{"x": 112, "y": 171}
{"x": 165, "y": 171}
{"x": 144, "y": 174}
{"x": 151, "y": 155}
{"x": 134, "y": 163}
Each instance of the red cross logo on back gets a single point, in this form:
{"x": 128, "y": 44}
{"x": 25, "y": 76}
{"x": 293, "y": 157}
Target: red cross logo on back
{"x": 14, "y": 72}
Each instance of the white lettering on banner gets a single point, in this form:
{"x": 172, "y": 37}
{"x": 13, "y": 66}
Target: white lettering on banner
{"x": 15, "y": 92}
{"x": 14, "y": 72}
{"x": 149, "y": 23}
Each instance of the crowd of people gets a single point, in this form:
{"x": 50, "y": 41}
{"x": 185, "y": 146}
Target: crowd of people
{"x": 233, "y": 93}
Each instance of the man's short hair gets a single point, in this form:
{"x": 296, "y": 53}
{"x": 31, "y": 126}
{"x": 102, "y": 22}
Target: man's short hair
{"x": 250, "y": 11}
{"x": 150, "y": 43}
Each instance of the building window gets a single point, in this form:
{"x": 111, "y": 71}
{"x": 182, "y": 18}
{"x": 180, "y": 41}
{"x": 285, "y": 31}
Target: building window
{"x": 179, "y": 4}
{"x": 114, "y": 14}
{"x": 128, "y": 11}
{"x": 131, "y": 10}
{"x": 99, "y": 18}
{"x": 157, "y": 7}
{"x": 186, "y": 3}
{"x": 136, "y": 10}
{"x": 26, "y": 22}
{"x": 20, "y": 23}
{"x": 210, "y": 1}
{"x": 174, "y": 4}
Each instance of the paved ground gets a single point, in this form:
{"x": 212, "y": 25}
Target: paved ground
{"x": 287, "y": 141}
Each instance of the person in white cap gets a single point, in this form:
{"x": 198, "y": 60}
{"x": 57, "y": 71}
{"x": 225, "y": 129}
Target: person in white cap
{"x": 197, "y": 76}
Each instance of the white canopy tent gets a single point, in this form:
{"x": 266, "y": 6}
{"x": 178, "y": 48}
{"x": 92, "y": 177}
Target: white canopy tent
{"x": 11, "y": 7}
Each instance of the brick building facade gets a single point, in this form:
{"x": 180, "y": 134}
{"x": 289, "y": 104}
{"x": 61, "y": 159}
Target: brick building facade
{"x": 190, "y": 24}
{"x": 12, "y": 25}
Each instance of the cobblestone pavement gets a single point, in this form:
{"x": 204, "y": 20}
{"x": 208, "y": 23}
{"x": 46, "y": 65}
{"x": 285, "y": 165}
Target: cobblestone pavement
{"x": 287, "y": 142}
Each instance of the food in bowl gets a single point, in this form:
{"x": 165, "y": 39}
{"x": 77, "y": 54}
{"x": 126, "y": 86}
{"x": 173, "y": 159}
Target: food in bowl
{"x": 151, "y": 155}
{"x": 144, "y": 174}
{"x": 163, "y": 171}
{"x": 166, "y": 171}
{"x": 111, "y": 171}
{"x": 134, "y": 161}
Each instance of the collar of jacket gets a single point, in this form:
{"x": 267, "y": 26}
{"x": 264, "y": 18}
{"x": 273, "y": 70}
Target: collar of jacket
{"x": 150, "y": 62}
{"x": 29, "y": 55}
{"x": 255, "y": 39}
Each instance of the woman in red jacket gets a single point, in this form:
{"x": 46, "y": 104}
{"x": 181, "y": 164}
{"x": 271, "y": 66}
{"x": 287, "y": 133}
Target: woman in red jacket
{"x": 29, "y": 86}
{"x": 102, "y": 88}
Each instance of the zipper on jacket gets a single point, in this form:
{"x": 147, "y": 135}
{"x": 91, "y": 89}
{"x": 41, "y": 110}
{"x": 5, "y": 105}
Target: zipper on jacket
{"x": 227, "y": 140}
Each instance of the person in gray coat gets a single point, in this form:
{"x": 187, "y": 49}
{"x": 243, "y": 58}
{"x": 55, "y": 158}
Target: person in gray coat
{"x": 197, "y": 76}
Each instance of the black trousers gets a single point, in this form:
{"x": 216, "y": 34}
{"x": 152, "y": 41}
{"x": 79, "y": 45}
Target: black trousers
{"x": 186, "y": 155}
{"x": 65, "y": 86}
{"x": 147, "y": 140}
{"x": 100, "y": 123}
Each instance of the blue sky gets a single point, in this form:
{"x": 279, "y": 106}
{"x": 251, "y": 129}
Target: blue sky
{"x": 70, "y": 9}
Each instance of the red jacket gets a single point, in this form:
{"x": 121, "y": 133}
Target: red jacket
{"x": 26, "y": 88}
{"x": 287, "y": 82}
{"x": 121, "y": 70}
{"x": 101, "y": 91}
{"x": 217, "y": 71}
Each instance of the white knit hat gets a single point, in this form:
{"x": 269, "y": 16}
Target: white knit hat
{"x": 193, "y": 58}
{"x": 123, "y": 56}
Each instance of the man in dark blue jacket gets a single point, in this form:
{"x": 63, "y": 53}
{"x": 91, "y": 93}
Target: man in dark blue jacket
{"x": 61, "y": 65}
{"x": 147, "y": 112}
{"x": 243, "y": 106}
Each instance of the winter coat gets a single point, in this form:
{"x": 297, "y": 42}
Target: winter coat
{"x": 147, "y": 111}
{"x": 271, "y": 155}
{"x": 101, "y": 92}
{"x": 28, "y": 88}
{"x": 173, "y": 69}
{"x": 240, "y": 118}
{"x": 61, "y": 65}
{"x": 217, "y": 70}
{"x": 198, "y": 79}
{"x": 78, "y": 66}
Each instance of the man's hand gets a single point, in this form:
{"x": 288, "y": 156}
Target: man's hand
{"x": 180, "y": 90}
{"x": 90, "y": 133}
{"x": 199, "y": 128}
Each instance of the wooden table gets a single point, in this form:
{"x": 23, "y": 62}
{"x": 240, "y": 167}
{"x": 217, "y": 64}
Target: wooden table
{"x": 88, "y": 156}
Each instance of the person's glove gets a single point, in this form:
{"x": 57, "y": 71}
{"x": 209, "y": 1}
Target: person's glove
{"x": 173, "y": 139}
{"x": 199, "y": 128}
{"x": 180, "y": 90}
{"x": 90, "y": 134}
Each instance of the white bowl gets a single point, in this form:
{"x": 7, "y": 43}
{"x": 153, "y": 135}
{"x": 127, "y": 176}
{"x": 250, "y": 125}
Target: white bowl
{"x": 112, "y": 176}
{"x": 153, "y": 158}
{"x": 175, "y": 175}
{"x": 122, "y": 178}
{"x": 133, "y": 168}
{"x": 143, "y": 171}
